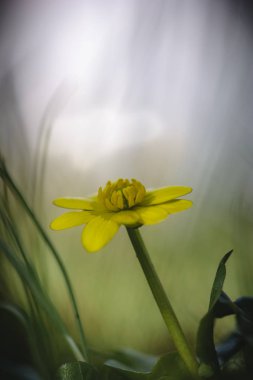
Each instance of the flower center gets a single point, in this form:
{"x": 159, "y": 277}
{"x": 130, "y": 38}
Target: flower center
{"x": 122, "y": 194}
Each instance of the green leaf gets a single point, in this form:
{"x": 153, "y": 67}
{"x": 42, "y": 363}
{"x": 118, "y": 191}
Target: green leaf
{"x": 108, "y": 373}
{"x": 122, "y": 371}
{"x": 123, "y": 374}
{"x": 168, "y": 367}
{"x": 77, "y": 371}
{"x": 219, "y": 280}
{"x": 130, "y": 359}
{"x": 224, "y": 306}
{"x": 205, "y": 348}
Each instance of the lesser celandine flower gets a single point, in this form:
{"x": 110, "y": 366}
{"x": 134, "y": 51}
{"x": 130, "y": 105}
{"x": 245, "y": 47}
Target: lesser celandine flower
{"x": 123, "y": 202}
{"x": 128, "y": 203}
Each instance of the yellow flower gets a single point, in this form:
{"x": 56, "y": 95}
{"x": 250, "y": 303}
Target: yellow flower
{"x": 122, "y": 202}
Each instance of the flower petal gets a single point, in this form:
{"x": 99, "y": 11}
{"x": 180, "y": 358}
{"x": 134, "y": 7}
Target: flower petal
{"x": 165, "y": 194}
{"x": 74, "y": 203}
{"x": 151, "y": 214}
{"x": 98, "y": 232}
{"x": 127, "y": 217}
{"x": 176, "y": 205}
{"x": 71, "y": 219}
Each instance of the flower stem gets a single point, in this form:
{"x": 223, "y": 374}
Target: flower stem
{"x": 14, "y": 189}
{"x": 163, "y": 302}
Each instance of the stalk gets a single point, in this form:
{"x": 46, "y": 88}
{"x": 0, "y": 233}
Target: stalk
{"x": 163, "y": 302}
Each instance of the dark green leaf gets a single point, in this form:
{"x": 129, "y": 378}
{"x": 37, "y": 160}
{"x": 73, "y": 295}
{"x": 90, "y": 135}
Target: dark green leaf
{"x": 136, "y": 361}
{"x": 224, "y": 306}
{"x": 170, "y": 367}
{"x": 118, "y": 368}
{"x": 108, "y": 373}
{"x": 209, "y": 365}
{"x": 205, "y": 347}
{"x": 219, "y": 281}
{"x": 117, "y": 373}
{"x": 77, "y": 371}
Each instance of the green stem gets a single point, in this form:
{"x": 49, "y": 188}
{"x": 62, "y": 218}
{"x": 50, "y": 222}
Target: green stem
{"x": 44, "y": 236}
{"x": 163, "y": 302}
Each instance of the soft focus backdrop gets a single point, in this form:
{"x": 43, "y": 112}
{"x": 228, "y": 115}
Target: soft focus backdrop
{"x": 160, "y": 91}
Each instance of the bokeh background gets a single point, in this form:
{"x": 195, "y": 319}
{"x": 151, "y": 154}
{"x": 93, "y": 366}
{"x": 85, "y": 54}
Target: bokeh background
{"x": 161, "y": 91}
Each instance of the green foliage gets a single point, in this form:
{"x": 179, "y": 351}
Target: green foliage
{"x": 41, "y": 316}
{"x": 219, "y": 281}
{"x": 10, "y": 184}
{"x": 77, "y": 371}
{"x": 132, "y": 365}
{"x": 168, "y": 367}
{"x": 209, "y": 365}
{"x": 129, "y": 359}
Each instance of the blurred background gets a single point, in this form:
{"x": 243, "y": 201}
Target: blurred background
{"x": 161, "y": 91}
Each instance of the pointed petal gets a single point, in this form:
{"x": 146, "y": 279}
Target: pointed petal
{"x": 176, "y": 205}
{"x": 71, "y": 219}
{"x": 128, "y": 217}
{"x": 98, "y": 232}
{"x": 74, "y": 203}
{"x": 165, "y": 194}
{"x": 152, "y": 214}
